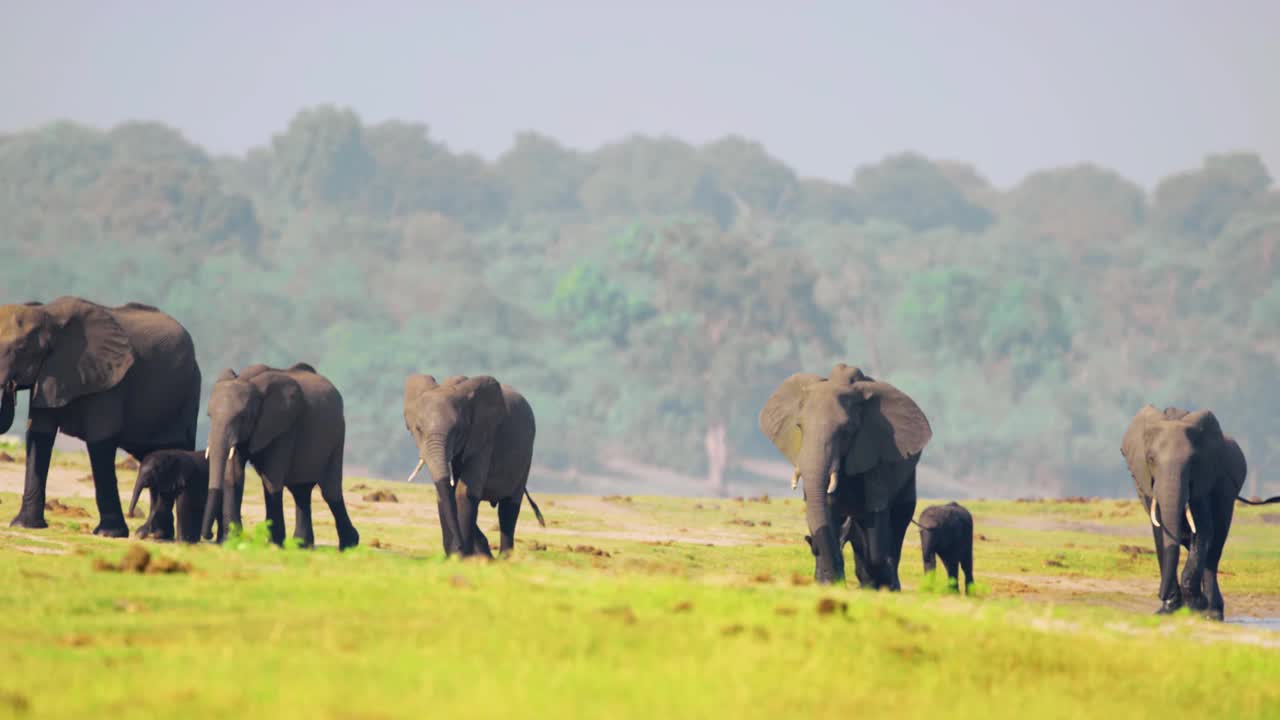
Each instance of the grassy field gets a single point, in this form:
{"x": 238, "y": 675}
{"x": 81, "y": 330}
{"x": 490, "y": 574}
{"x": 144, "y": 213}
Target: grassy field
{"x": 622, "y": 607}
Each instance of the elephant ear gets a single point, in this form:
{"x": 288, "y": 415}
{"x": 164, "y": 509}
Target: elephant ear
{"x": 893, "y": 428}
{"x": 282, "y": 404}
{"x": 781, "y": 412}
{"x": 226, "y": 374}
{"x": 842, "y": 373}
{"x": 1134, "y": 447}
{"x": 90, "y": 353}
{"x": 488, "y": 409}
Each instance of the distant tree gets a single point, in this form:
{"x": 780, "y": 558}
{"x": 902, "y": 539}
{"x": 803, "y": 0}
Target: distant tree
{"x": 541, "y": 175}
{"x": 1200, "y": 203}
{"x": 1085, "y": 208}
{"x": 321, "y": 159}
{"x": 910, "y": 189}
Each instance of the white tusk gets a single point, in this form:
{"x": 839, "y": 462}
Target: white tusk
{"x": 831, "y": 484}
{"x": 206, "y": 453}
{"x": 795, "y": 478}
{"x": 1191, "y": 521}
{"x": 231, "y": 454}
{"x": 414, "y": 474}
{"x": 453, "y": 481}
{"x": 1154, "y": 521}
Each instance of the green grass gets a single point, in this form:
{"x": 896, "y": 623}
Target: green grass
{"x": 652, "y": 629}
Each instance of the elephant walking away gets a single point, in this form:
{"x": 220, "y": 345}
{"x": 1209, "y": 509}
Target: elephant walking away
{"x": 178, "y": 481}
{"x": 475, "y": 437}
{"x": 855, "y": 442}
{"x": 117, "y": 378}
{"x": 289, "y": 423}
{"x": 946, "y": 532}
{"x": 1188, "y": 475}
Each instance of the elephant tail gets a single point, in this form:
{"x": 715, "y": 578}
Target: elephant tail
{"x": 1268, "y": 501}
{"x": 536, "y": 512}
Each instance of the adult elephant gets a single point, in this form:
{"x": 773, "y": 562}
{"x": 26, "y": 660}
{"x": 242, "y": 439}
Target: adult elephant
{"x": 1188, "y": 475}
{"x": 855, "y": 442}
{"x": 117, "y": 378}
{"x": 475, "y": 437}
{"x": 289, "y": 423}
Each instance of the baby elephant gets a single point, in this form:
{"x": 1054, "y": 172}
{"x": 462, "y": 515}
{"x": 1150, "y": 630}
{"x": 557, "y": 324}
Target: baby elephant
{"x": 178, "y": 480}
{"x": 946, "y": 531}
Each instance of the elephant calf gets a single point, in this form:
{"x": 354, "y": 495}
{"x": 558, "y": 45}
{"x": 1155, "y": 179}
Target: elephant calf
{"x": 178, "y": 481}
{"x": 946, "y": 531}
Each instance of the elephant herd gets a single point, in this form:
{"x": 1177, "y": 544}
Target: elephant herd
{"x": 126, "y": 378}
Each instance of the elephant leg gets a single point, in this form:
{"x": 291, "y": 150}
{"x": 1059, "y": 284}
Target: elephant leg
{"x": 1193, "y": 570}
{"x": 508, "y": 514}
{"x": 448, "y": 510}
{"x": 102, "y": 459}
{"x": 302, "y": 530}
{"x": 840, "y": 520}
{"x": 160, "y": 522}
{"x": 861, "y": 563}
{"x": 900, "y": 515}
{"x": 39, "y": 453}
{"x": 928, "y": 552}
{"x": 468, "y": 512}
{"x": 966, "y": 564}
{"x": 1169, "y": 550}
{"x": 1224, "y": 509}
{"x": 331, "y": 491}
{"x": 879, "y": 547}
{"x": 952, "y": 564}
{"x": 275, "y": 513}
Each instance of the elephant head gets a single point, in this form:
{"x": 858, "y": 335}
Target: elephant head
{"x": 1175, "y": 457}
{"x": 247, "y": 413}
{"x": 845, "y": 425}
{"x": 177, "y": 480}
{"x": 452, "y": 422}
{"x": 61, "y": 351}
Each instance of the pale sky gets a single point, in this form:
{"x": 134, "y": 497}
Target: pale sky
{"x": 1146, "y": 88}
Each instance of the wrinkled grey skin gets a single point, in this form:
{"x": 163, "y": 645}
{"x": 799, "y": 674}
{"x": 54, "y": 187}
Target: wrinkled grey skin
{"x": 116, "y": 377}
{"x": 866, "y": 435}
{"x": 1184, "y": 464}
{"x": 289, "y": 423}
{"x": 946, "y": 532}
{"x": 178, "y": 481}
{"x": 475, "y": 438}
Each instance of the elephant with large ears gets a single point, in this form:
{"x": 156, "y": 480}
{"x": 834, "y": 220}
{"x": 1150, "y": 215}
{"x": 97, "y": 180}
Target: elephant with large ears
{"x": 178, "y": 481}
{"x": 117, "y": 378}
{"x": 1188, "y": 475}
{"x": 855, "y": 443}
{"x": 289, "y": 423}
{"x": 475, "y": 437}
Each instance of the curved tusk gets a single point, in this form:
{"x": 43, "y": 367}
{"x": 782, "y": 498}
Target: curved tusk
{"x": 206, "y": 453}
{"x": 414, "y": 474}
{"x": 1191, "y": 522}
{"x": 453, "y": 481}
{"x": 831, "y": 483}
{"x": 231, "y": 454}
{"x": 795, "y": 478}
{"x": 1154, "y": 520}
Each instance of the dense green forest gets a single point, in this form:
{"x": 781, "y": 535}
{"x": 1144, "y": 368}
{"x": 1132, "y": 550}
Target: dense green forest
{"x": 648, "y": 295}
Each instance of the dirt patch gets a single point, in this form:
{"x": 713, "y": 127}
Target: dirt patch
{"x": 376, "y": 543}
{"x": 127, "y": 464}
{"x": 56, "y": 507}
{"x": 761, "y": 499}
{"x": 1078, "y": 499}
{"x": 587, "y": 550}
{"x": 138, "y": 559}
{"x": 617, "y": 498}
{"x": 800, "y": 580}
{"x": 744, "y": 523}
{"x": 622, "y": 612}
{"x": 1135, "y": 550}
{"x": 7, "y": 458}
{"x": 536, "y": 546}
{"x": 358, "y": 486}
{"x": 829, "y": 606}
{"x": 1270, "y": 518}
{"x": 681, "y": 607}
{"x": 381, "y": 496}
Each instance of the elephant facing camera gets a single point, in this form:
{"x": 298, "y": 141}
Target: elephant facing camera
{"x": 178, "y": 483}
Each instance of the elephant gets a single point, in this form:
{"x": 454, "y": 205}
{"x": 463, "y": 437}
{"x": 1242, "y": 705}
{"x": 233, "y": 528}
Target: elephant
{"x": 1188, "y": 474}
{"x": 855, "y": 442}
{"x": 115, "y": 377}
{"x": 289, "y": 423}
{"x": 946, "y": 531}
{"x": 179, "y": 485}
{"x": 475, "y": 437}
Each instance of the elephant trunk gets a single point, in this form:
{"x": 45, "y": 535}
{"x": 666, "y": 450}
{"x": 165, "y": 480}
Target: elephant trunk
{"x": 436, "y": 456}
{"x": 226, "y": 474}
{"x": 137, "y": 492}
{"x": 8, "y": 403}
{"x": 1169, "y": 505}
{"x": 817, "y": 465}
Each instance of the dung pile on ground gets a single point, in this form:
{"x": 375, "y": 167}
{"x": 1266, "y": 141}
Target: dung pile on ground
{"x": 138, "y": 559}
{"x": 56, "y": 507}
{"x": 381, "y": 496}
{"x": 127, "y": 464}
{"x": 1136, "y": 550}
{"x": 359, "y": 486}
{"x": 7, "y": 458}
{"x": 588, "y": 550}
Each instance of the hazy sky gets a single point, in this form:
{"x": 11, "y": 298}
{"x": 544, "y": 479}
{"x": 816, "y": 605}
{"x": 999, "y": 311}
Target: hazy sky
{"x": 1144, "y": 87}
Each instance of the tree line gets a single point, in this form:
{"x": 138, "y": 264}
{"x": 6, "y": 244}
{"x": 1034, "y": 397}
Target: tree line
{"x": 646, "y": 296}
